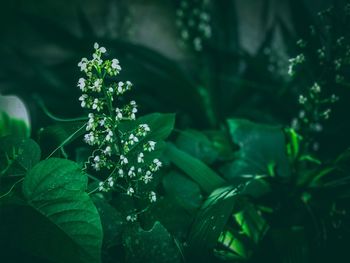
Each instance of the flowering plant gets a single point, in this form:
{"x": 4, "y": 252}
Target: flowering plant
{"x": 120, "y": 145}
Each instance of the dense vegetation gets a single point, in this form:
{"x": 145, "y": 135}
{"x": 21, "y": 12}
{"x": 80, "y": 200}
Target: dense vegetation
{"x": 130, "y": 155}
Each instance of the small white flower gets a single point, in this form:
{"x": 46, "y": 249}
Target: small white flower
{"x": 145, "y": 127}
{"x": 121, "y": 173}
{"x": 109, "y": 136}
{"x": 108, "y": 151}
{"x": 115, "y": 64}
{"x": 97, "y": 104}
{"x": 110, "y": 181}
{"x": 131, "y": 172}
{"x": 102, "y": 122}
{"x": 152, "y": 145}
{"x": 152, "y": 197}
{"x": 302, "y": 99}
{"x": 128, "y": 85}
{"x": 133, "y": 139}
{"x": 148, "y": 177}
{"x": 97, "y": 159}
{"x": 101, "y": 187}
{"x": 90, "y": 138}
{"x": 83, "y": 64}
{"x": 131, "y": 218}
{"x": 140, "y": 158}
{"x": 130, "y": 191}
{"x": 149, "y": 146}
{"x": 120, "y": 88}
{"x": 123, "y": 159}
{"x": 155, "y": 165}
{"x": 83, "y": 99}
{"x": 82, "y": 84}
{"x": 97, "y": 85}
{"x": 96, "y": 45}
{"x": 119, "y": 114}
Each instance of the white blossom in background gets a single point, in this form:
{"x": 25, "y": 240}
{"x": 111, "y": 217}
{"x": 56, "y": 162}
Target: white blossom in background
{"x": 194, "y": 23}
{"x": 121, "y": 154}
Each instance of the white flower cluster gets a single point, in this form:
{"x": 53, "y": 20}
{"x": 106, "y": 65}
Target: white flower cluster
{"x": 122, "y": 153}
{"x": 315, "y": 109}
{"x": 193, "y": 21}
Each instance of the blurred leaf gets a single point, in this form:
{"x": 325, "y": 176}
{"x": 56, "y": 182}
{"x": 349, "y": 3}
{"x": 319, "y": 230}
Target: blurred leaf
{"x": 206, "y": 178}
{"x": 13, "y": 126}
{"x": 154, "y": 246}
{"x": 55, "y": 188}
{"x": 293, "y": 144}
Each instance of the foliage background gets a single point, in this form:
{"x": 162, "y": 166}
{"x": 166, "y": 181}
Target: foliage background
{"x": 241, "y": 73}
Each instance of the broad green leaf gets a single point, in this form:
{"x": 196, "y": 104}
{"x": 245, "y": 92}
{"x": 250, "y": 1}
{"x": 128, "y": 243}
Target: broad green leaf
{"x": 17, "y": 155}
{"x": 206, "y": 178}
{"x": 55, "y": 189}
{"x": 262, "y": 151}
{"x": 155, "y": 245}
{"x": 182, "y": 190}
{"x": 14, "y": 117}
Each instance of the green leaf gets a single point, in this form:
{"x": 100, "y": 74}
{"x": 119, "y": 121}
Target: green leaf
{"x": 227, "y": 224}
{"x": 55, "y": 189}
{"x": 155, "y": 245}
{"x": 112, "y": 221}
{"x": 212, "y": 218}
{"x": 293, "y": 144}
{"x": 207, "y": 179}
{"x": 182, "y": 190}
{"x": 198, "y": 145}
{"x": 18, "y": 155}
{"x": 262, "y": 151}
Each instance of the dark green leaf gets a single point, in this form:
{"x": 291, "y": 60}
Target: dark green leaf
{"x": 206, "y": 178}
{"x": 182, "y": 190}
{"x": 55, "y": 189}
{"x": 112, "y": 221}
{"x": 153, "y": 246}
{"x": 262, "y": 151}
